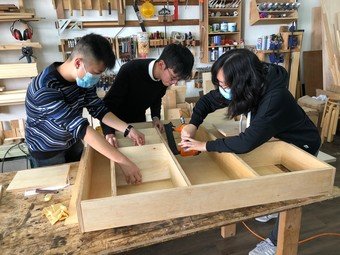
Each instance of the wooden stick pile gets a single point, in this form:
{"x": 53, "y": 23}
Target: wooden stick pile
{"x": 330, "y": 119}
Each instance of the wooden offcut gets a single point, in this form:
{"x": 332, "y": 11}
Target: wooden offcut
{"x": 39, "y": 178}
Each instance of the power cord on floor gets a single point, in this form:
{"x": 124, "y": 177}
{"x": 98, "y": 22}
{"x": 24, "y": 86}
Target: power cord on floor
{"x": 300, "y": 242}
{"x": 9, "y": 149}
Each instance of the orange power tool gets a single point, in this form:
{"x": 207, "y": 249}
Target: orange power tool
{"x": 169, "y": 128}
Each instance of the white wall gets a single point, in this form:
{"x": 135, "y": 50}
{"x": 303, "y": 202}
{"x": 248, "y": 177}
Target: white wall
{"x": 46, "y": 33}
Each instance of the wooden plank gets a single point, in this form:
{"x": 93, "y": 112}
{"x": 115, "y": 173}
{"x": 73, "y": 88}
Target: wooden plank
{"x": 294, "y": 73}
{"x": 42, "y": 177}
{"x": 169, "y": 99}
{"x": 289, "y": 231}
{"x": 316, "y": 40}
{"x": 180, "y": 91}
{"x": 13, "y": 97}
{"x": 312, "y": 71}
{"x": 60, "y": 9}
{"x": 228, "y": 231}
{"x": 25, "y": 70}
{"x": 172, "y": 114}
{"x": 18, "y": 46}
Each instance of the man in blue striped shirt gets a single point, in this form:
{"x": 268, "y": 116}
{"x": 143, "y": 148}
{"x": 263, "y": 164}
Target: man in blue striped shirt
{"x": 54, "y": 105}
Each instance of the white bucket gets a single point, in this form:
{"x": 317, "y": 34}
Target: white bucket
{"x": 232, "y": 27}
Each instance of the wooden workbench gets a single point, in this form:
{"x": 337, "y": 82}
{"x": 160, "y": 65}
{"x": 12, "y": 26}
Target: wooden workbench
{"x": 23, "y": 228}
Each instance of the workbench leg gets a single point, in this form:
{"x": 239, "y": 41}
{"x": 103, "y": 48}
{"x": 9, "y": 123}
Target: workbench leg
{"x": 228, "y": 231}
{"x": 289, "y": 231}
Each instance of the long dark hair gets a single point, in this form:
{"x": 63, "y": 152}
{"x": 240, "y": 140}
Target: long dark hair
{"x": 245, "y": 74}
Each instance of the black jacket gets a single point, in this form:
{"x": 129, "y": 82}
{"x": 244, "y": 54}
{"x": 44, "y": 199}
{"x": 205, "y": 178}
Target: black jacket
{"x": 278, "y": 115}
{"x": 132, "y": 92}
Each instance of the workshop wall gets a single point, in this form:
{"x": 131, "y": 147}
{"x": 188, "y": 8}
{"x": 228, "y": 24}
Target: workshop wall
{"x": 46, "y": 33}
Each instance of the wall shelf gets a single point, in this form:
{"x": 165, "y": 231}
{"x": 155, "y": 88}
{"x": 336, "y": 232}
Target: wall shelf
{"x": 255, "y": 19}
{"x": 207, "y": 47}
{"x": 224, "y": 33}
{"x": 18, "y": 46}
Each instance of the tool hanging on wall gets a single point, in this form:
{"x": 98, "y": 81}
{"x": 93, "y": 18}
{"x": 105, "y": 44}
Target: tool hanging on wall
{"x": 100, "y": 9}
{"x": 27, "y": 52}
{"x": 140, "y": 20}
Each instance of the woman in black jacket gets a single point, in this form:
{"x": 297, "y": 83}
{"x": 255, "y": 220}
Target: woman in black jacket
{"x": 248, "y": 86}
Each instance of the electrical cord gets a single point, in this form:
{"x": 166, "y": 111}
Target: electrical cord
{"x": 8, "y": 150}
{"x": 300, "y": 242}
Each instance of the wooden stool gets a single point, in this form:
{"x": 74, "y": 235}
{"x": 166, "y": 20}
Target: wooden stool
{"x": 329, "y": 120}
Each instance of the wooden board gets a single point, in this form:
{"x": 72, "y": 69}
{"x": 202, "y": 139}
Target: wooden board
{"x": 316, "y": 40}
{"x": 42, "y": 177}
{"x": 25, "y": 70}
{"x": 312, "y": 71}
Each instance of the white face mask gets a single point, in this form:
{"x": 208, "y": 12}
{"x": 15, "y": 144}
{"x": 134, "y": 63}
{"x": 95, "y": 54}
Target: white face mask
{"x": 226, "y": 93}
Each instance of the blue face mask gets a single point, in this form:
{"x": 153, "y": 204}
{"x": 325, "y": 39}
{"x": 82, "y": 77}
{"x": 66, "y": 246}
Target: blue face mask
{"x": 226, "y": 93}
{"x": 88, "y": 81}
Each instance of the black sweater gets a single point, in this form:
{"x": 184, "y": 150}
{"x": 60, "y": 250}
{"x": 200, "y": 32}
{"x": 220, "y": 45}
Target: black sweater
{"x": 133, "y": 92}
{"x": 278, "y": 115}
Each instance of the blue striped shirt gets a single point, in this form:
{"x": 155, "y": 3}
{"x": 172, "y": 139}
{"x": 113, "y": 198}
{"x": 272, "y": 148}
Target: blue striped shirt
{"x": 54, "y": 109}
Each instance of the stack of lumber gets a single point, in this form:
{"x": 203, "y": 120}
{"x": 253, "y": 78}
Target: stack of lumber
{"x": 331, "y": 30}
{"x": 174, "y": 103}
{"x": 14, "y": 133}
{"x": 330, "y": 119}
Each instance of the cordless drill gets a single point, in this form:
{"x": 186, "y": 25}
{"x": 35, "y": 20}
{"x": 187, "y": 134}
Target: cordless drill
{"x": 181, "y": 150}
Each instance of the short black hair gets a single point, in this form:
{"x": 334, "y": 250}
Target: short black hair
{"x": 179, "y": 58}
{"x": 97, "y": 47}
{"x": 245, "y": 74}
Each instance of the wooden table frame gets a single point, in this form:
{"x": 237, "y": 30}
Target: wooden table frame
{"x": 24, "y": 229}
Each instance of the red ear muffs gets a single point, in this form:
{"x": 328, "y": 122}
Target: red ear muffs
{"x": 25, "y": 35}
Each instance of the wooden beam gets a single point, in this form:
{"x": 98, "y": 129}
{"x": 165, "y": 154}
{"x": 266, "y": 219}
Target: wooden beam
{"x": 289, "y": 231}
{"x": 13, "y": 97}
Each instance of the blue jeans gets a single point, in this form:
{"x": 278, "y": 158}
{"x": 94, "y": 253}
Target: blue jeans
{"x": 72, "y": 154}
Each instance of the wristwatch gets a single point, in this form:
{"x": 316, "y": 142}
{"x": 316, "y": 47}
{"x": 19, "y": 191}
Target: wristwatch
{"x": 127, "y": 130}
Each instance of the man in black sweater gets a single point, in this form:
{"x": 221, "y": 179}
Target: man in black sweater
{"x": 142, "y": 83}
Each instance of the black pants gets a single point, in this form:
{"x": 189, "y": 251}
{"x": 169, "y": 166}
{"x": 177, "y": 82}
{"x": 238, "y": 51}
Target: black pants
{"x": 72, "y": 154}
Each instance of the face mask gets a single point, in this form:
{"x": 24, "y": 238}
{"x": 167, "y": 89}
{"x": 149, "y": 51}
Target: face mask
{"x": 226, "y": 93}
{"x": 88, "y": 81}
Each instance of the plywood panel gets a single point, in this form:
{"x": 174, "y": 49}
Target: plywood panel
{"x": 201, "y": 169}
{"x": 42, "y": 177}
{"x": 101, "y": 177}
{"x": 145, "y": 187}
